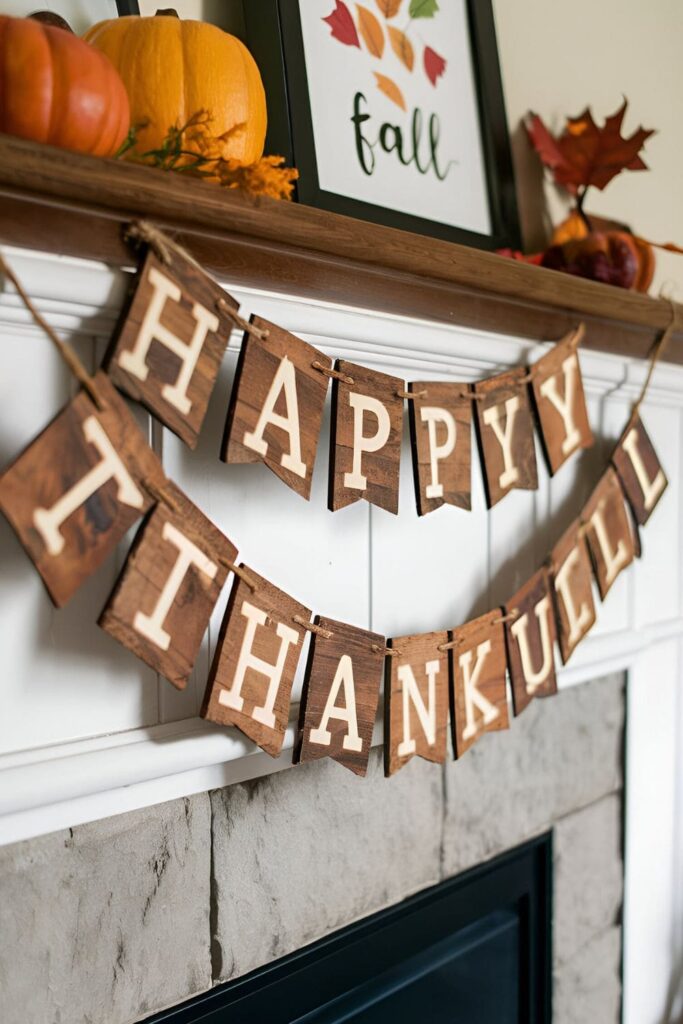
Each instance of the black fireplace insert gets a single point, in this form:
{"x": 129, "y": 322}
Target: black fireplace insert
{"x": 473, "y": 950}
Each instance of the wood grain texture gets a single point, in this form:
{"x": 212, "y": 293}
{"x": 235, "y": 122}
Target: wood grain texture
{"x": 479, "y": 701}
{"x": 441, "y": 419}
{"x": 560, "y": 403}
{"x": 377, "y": 471}
{"x": 530, "y": 639}
{"x": 180, "y": 405}
{"x": 506, "y": 398}
{"x": 161, "y": 568}
{"x": 256, "y": 657}
{"x": 341, "y": 691}
{"x": 572, "y": 586}
{"x": 92, "y": 463}
{"x": 608, "y": 531}
{"x": 263, "y": 383}
{"x": 640, "y": 471}
{"x": 415, "y": 700}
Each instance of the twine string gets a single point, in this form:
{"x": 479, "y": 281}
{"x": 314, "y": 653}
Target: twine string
{"x": 657, "y": 349}
{"x": 329, "y": 372}
{"x": 388, "y": 652}
{"x": 326, "y": 634}
{"x": 508, "y": 617}
{"x": 411, "y": 395}
{"x": 161, "y": 244}
{"x": 258, "y": 332}
{"x": 449, "y": 645}
{"x": 66, "y": 352}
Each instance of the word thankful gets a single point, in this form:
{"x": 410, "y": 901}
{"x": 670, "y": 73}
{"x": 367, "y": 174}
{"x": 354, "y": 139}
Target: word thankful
{"x": 90, "y": 475}
{"x": 167, "y": 355}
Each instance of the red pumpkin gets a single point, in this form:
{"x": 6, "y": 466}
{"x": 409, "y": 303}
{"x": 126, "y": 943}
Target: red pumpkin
{"x": 55, "y": 88}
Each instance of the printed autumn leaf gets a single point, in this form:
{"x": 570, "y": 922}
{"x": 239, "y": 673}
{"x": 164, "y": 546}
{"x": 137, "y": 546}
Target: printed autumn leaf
{"x": 389, "y": 8}
{"x": 434, "y": 64}
{"x": 342, "y": 25}
{"x": 390, "y": 89}
{"x": 371, "y": 31}
{"x": 423, "y": 8}
{"x": 585, "y": 154}
{"x": 402, "y": 46}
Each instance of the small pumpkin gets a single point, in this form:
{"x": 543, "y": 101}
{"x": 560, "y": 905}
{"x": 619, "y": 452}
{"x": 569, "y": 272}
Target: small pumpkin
{"x": 174, "y": 68}
{"x": 606, "y": 251}
{"x": 57, "y": 89}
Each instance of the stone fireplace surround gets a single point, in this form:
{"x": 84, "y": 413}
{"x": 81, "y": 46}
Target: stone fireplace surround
{"x": 113, "y": 920}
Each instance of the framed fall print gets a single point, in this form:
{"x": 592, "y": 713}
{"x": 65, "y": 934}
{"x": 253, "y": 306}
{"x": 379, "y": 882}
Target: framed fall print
{"x": 392, "y": 110}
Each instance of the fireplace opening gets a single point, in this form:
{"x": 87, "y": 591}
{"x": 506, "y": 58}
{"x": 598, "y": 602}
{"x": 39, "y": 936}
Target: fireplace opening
{"x": 473, "y": 950}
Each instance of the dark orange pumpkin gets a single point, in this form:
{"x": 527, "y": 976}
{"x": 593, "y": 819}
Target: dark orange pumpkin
{"x": 55, "y": 88}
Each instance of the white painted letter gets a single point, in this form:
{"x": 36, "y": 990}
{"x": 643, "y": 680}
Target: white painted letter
{"x": 565, "y": 406}
{"x": 151, "y": 626}
{"x": 285, "y": 378}
{"x": 510, "y": 473}
{"x": 360, "y": 405}
{"x": 232, "y": 698}
{"x": 342, "y": 677}
{"x": 426, "y": 715}
{"x": 48, "y": 521}
{"x": 534, "y": 680}
{"x": 578, "y": 620}
{"x": 151, "y": 329}
{"x": 473, "y": 696}
{"x": 651, "y": 488}
{"x": 431, "y": 416}
{"x": 614, "y": 560}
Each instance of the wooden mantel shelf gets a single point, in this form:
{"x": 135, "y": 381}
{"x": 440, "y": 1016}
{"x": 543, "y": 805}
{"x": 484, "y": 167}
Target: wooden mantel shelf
{"x": 58, "y": 201}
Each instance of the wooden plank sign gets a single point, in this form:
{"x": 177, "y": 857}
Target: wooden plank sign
{"x": 170, "y": 342}
{"x": 560, "y": 401}
{"x": 572, "y": 584}
{"x": 169, "y": 585}
{"x": 253, "y": 669}
{"x": 365, "y": 452}
{"x": 639, "y": 469}
{"x": 441, "y": 441}
{"x": 506, "y": 434}
{"x": 479, "y": 700}
{"x": 608, "y": 531}
{"x": 415, "y": 700}
{"x": 276, "y": 406}
{"x": 75, "y": 491}
{"x": 530, "y": 636}
{"x": 341, "y": 693}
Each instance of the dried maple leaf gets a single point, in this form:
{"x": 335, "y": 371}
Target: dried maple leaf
{"x": 371, "y": 31}
{"x": 389, "y": 8}
{"x": 390, "y": 89}
{"x": 435, "y": 65}
{"x": 342, "y": 25}
{"x": 584, "y": 154}
{"x": 402, "y": 46}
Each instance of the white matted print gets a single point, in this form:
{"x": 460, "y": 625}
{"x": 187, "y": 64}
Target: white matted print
{"x": 394, "y": 107}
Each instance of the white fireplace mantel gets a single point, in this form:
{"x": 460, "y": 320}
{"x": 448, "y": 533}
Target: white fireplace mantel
{"x": 86, "y": 731}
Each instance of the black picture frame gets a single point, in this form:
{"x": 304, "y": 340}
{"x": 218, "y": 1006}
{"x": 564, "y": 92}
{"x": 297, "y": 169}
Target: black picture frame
{"x": 274, "y": 36}
{"x": 125, "y": 7}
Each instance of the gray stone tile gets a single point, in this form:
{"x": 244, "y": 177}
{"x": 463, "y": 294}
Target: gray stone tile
{"x": 299, "y": 854}
{"x": 588, "y": 878}
{"x": 588, "y": 987}
{"x": 562, "y": 753}
{"x": 108, "y": 921}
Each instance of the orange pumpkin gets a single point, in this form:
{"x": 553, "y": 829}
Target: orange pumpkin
{"x": 57, "y": 89}
{"x": 173, "y": 69}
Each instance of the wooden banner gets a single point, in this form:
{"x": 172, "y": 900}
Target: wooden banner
{"x": 441, "y": 441}
{"x": 365, "y": 448}
{"x": 253, "y": 669}
{"x": 479, "y": 701}
{"x": 415, "y": 700}
{"x": 572, "y": 582}
{"x": 168, "y": 587}
{"x": 77, "y": 488}
{"x": 530, "y": 637}
{"x": 168, "y": 349}
{"x": 506, "y": 435}
{"x": 341, "y": 694}
{"x": 557, "y": 387}
{"x": 276, "y": 406}
{"x": 639, "y": 470}
{"x": 608, "y": 531}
